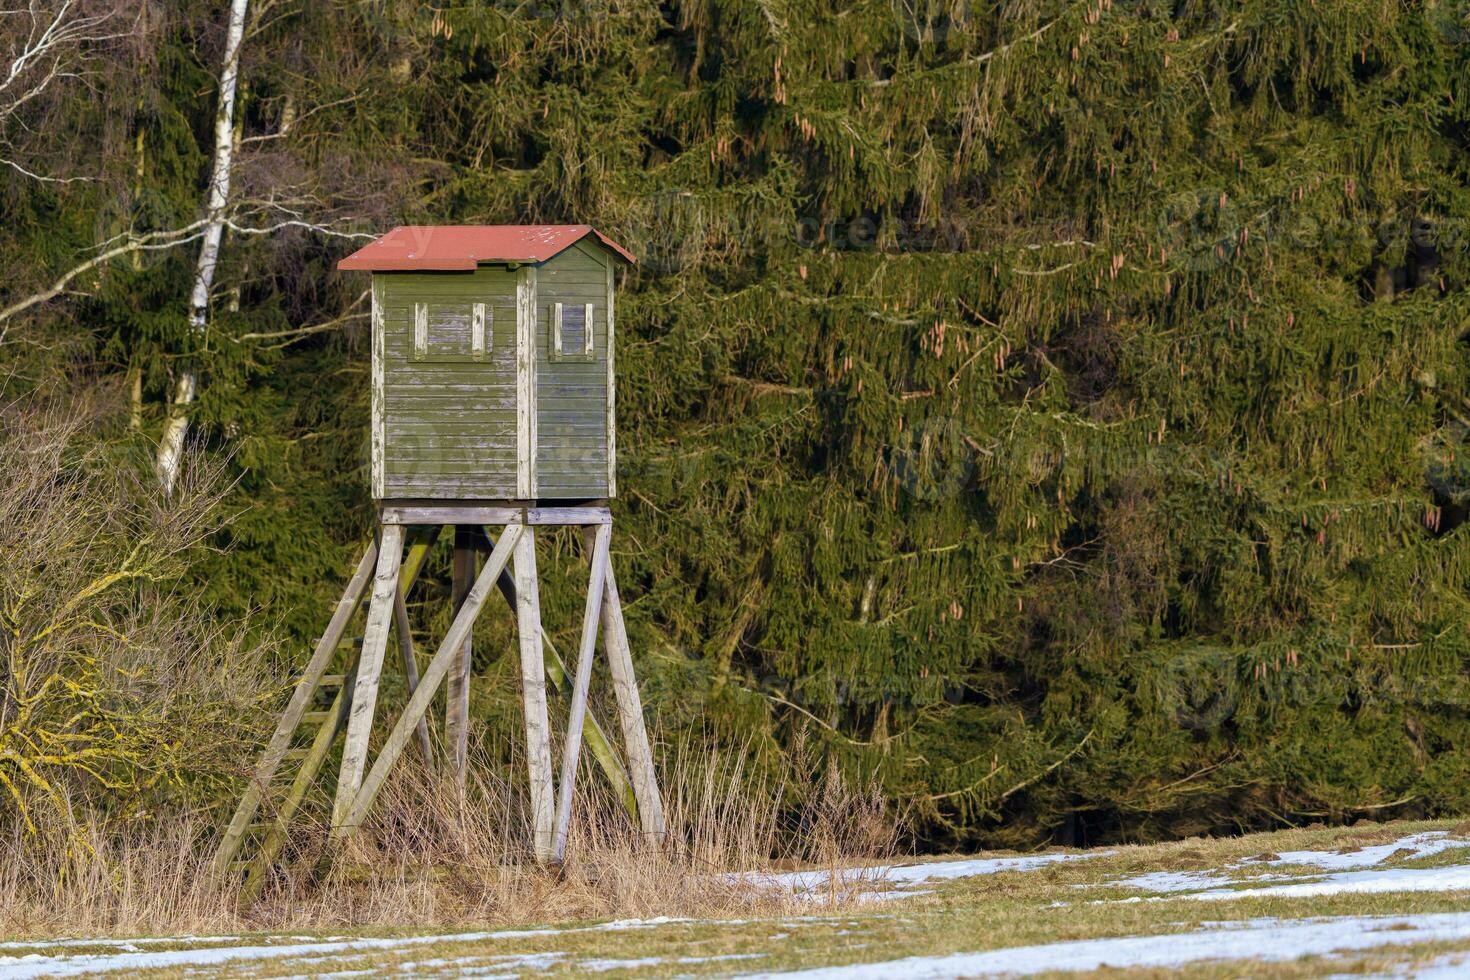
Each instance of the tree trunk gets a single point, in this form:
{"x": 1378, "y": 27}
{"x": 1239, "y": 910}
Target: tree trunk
{"x": 135, "y": 398}
{"x": 171, "y": 446}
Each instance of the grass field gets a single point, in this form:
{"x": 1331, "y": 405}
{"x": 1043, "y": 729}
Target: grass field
{"x": 1369, "y": 900}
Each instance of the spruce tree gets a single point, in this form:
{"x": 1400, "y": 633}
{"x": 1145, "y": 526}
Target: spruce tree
{"x": 1056, "y": 410}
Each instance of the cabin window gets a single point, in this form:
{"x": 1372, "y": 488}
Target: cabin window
{"x": 571, "y": 331}
{"x": 452, "y": 331}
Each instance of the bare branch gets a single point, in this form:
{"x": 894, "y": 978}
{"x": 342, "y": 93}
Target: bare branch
{"x": 296, "y": 333}
{"x": 286, "y": 129}
{"x": 154, "y": 241}
{"x": 43, "y": 47}
{"x": 296, "y": 223}
{"x": 151, "y": 241}
{"x": 981, "y": 59}
{"x": 41, "y": 177}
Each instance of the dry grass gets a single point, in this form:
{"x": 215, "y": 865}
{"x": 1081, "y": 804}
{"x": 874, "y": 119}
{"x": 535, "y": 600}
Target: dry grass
{"x": 418, "y": 870}
{"x": 433, "y": 857}
{"x": 127, "y": 713}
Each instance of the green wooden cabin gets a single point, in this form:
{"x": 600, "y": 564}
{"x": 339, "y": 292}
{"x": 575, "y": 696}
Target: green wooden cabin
{"x": 492, "y": 362}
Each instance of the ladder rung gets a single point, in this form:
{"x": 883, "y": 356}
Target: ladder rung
{"x": 316, "y": 717}
{"x": 356, "y": 641}
{"x": 331, "y": 680}
{"x": 259, "y": 828}
{"x": 296, "y": 754}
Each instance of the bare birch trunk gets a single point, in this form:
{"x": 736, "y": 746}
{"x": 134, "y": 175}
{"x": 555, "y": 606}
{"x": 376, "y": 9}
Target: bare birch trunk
{"x": 171, "y": 446}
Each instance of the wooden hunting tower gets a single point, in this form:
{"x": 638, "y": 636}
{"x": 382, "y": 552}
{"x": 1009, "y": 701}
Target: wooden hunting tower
{"x": 492, "y": 414}
{"x": 492, "y": 362}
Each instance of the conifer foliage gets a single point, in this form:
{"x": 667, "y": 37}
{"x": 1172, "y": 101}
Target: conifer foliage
{"x": 1059, "y": 409}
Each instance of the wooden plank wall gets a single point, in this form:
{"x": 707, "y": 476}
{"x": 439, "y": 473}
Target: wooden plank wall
{"x": 445, "y": 423}
{"x": 572, "y": 395}
{"x": 449, "y": 418}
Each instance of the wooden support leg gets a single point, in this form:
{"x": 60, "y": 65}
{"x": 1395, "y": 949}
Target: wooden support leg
{"x": 369, "y": 670}
{"x": 457, "y": 708}
{"x": 306, "y": 685}
{"x": 533, "y": 692}
{"x": 572, "y": 749}
{"x": 410, "y": 666}
{"x": 597, "y": 741}
{"x": 418, "y": 705}
{"x": 418, "y": 549}
{"x": 630, "y": 711}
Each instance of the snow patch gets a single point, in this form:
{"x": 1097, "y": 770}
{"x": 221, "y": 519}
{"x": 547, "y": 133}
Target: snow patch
{"x": 123, "y": 944}
{"x": 602, "y": 966}
{"x": 1172, "y": 881}
{"x": 1420, "y": 845}
{"x": 35, "y": 965}
{"x": 479, "y": 964}
{"x": 129, "y": 957}
{"x": 817, "y": 885}
{"x": 1261, "y": 940}
{"x": 1349, "y": 877}
{"x": 1456, "y": 878}
{"x": 618, "y": 925}
{"x": 1451, "y": 966}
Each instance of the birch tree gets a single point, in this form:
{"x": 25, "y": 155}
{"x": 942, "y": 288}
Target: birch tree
{"x": 171, "y": 445}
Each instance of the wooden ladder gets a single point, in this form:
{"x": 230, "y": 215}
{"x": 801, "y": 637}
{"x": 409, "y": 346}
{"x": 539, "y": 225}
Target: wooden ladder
{"x": 303, "y": 738}
{"x": 316, "y": 716}
{"x": 268, "y": 835}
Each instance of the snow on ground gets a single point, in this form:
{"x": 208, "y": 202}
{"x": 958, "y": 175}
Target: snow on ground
{"x": 1259, "y": 940}
{"x": 1412, "y": 846}
{"x": 1451, "y": 966}
{"x": 1213, "y": 884}
{"x": 915, "y": 874}
{"x": 130, "y": 957}
{"x": 1415, "y": 846}
{"x": 1178, "y": 881}
{"x": 38, "y": 965}
{"x": 1449, "y": 879}
{"x": 815, "y": 884}
{"x": 124, "y": 944}
{"x": 1353, "y": 873}
{"x": 1338, "y": 871}
{"x": 479, "y": 965}
{"x": 603, "y": 966}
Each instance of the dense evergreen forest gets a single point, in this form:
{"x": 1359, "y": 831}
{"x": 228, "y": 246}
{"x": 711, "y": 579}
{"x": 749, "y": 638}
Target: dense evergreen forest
{"x": 1059, "y": 411}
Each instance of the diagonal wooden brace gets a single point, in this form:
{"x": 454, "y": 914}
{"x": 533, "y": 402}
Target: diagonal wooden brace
{"x": 572, "y": 749}
{"x": 438, "y": 668}
{"x": 420, "y": 543}
{"x": 369, "y": 670}
{"x": 630, "y": 712}
{"x": 597, "y": 741}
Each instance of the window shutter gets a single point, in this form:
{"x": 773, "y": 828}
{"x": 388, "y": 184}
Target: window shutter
{"x": 478, "y": 322}
{"x": 420, "y": 330}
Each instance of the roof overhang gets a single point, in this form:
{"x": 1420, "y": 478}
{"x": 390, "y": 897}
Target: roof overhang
{"x": 460, "y": 248}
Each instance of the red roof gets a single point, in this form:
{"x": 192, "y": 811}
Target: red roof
{"x": 445, "y": 247}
